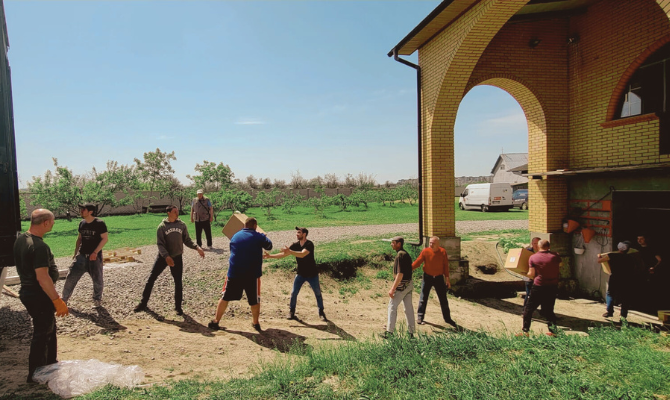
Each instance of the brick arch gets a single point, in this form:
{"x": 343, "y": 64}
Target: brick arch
{"x": 620, "y": 87}
{"x": 454, "y": 58}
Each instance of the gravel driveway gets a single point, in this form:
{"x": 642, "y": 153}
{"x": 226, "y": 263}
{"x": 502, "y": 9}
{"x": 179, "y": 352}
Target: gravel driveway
{"x": 202, "y": 277}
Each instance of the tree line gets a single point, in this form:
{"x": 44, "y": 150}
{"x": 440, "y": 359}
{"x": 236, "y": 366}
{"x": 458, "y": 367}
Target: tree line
{"x": 61, "y": 191}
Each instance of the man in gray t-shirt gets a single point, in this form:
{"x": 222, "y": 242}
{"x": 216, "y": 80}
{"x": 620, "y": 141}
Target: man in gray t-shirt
{"x": 202, "y": 213}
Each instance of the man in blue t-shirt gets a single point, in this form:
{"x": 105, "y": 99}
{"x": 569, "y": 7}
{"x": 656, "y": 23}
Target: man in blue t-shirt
{"x": 244, "y": 272}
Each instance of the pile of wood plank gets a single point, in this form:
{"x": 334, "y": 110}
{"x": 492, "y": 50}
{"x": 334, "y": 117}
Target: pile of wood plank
{"x": 122, "y": 255}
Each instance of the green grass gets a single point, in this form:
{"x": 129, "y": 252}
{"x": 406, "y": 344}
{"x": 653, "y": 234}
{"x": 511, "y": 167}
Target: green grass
{"x": 140, "y": 230}
{"x": 608, "y": 364}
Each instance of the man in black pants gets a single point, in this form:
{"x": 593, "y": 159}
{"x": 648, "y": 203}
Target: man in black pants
{"x": 171, "y": 237}
{"x": 544, "y": 270}
{"x": 202, "y": 213}
{"x": 38, "y": 272}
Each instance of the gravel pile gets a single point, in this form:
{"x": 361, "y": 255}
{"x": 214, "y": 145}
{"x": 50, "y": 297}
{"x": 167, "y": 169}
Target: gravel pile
{"x": 202, "y": 282}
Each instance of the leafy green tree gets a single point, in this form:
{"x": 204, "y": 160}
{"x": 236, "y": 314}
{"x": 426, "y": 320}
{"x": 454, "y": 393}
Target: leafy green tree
{"x": 291, "y": 200}
{"x": 269, "y": 200}
{"x": 212, "y": 176}
{"x": 176, "y": 192}
{"x": 362, "y": 197}
{"x": 57, "y": 191}
{"x": 23, "y": 210}
{"x": 319, "y": 203}
{"x": 341, "y": 201}
{"x": 109, "y": 188}
{"x": 155, "y": 169}
{"x": 233, "y": 200}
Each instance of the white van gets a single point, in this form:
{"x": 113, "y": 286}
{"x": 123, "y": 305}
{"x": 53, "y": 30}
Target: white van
{"x": 486, "y": 197}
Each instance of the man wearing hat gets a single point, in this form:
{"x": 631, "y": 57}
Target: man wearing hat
{"x": 88, "y": 253}
{"x": 303, "y": 251}
{"x": 202, "y": 214}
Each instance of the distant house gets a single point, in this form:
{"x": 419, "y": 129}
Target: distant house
{"x": 502, "y": 170}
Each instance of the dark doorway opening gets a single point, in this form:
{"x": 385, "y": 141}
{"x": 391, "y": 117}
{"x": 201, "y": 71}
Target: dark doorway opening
{"x": 645, "y": 213}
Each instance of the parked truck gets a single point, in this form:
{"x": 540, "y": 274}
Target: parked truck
{"x": 486, "y": 197}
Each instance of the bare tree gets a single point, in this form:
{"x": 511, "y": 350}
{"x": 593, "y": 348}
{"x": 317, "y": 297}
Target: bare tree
{"x": 366, "y": 181}
{"x": 279, "y": 183}
{"x": 297, "y": 181}
{"x": 331, "y": 181}
{"x": 265, "y": 183}
{"x": 315, "y": 182}
{"x": 350, "y": 181}
{"x": 252, "y": 182}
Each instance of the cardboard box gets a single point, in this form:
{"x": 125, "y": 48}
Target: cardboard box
{"x": 605, "y": 264}
{"x": 517, "y": 261}
{"x": 236, "y": 224}
{"x": 664, "y": 315}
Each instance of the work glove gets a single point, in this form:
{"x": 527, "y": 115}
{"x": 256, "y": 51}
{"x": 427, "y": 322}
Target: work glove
{"x": 61, "y": 307}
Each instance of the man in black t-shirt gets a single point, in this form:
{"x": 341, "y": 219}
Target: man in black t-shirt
{"x": 303, "y": 251}
{"x": 88, "y": 253}
{"x": 401, "y": 290}
{"x": 654, "y": 275}
{"x": 38, "y": 273}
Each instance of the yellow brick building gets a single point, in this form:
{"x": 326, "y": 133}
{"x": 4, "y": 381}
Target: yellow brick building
{"x": 591, "y": 78}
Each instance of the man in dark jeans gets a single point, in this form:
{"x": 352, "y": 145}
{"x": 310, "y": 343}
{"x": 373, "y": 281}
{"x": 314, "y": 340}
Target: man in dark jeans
{"x": 202, "y": 213}
{"x": 529, "y": 282}
{"x": 435, "y": 273}
{"x": 171, "y": 237}
{"x": 38, "y": 273}
{"x": 544, "y": 270}
{"x": 622, "y": 267}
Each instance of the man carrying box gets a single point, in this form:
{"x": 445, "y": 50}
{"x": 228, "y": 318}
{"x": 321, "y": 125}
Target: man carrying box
{"x": 544, "y": 270}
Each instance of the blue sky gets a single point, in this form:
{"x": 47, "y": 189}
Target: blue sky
{"x": 268, "y": 88}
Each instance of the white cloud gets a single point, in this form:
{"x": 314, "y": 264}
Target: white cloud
{"x": 249, "y": 121}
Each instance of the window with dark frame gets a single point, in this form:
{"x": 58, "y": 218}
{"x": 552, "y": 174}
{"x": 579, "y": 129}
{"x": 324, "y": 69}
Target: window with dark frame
{"x": 647, "y": 92}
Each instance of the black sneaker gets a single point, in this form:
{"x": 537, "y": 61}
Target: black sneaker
{"x": 291, "y": 316}
{"x": 257, "y": 327}
{"x": 386, "y": 335}
{"x": 608, "y": 315}
{"x": 140, "y": 307}
{"x": 451, "y": 322}
{"x": 214, "y": 326}
{"x": 322, "y": 315}
{"x": 179, "y": 311}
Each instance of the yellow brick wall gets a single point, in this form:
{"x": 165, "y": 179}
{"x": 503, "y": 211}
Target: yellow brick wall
{"x": 567, "y": 91}
{"x": 614, "y": 34}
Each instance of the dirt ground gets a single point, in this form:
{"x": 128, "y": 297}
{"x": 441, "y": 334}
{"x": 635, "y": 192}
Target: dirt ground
{"x": 172, "y": 347}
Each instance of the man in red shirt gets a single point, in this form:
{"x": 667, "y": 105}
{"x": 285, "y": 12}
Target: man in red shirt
{"x": 544, "y": 270}
{"x": 435, "y": 273}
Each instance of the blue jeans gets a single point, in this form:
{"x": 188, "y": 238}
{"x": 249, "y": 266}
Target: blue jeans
{"x": 610, "y": 305}
{"x": 80, "y": 265}
{"x": 297, "y": 285}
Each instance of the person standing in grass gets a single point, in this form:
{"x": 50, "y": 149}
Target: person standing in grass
{"x": 401, "y": 289}
{"x": 544, "y": 270}
{"x": 202, "y": 213}
{"x": 88, "y": 254}
{"x": 171, "y": 236}
{"x": 435, "y": 273}
{"x": 245, "y": 268}
{"x": 38, "y": 273}
{"x": 303, "y": 251}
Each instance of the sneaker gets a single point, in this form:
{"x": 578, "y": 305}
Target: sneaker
{"x": 214, "y": 326}
{"x": 257, "y": 327}
{"x": 322, "y": 315}
{"x": 420, "y": 321}
{"x": 551, "y": 334}
{"x": 386, "y": 335}
{"x": 140, "y": 307}
{"x": 97, "y": 303}
{"x": 210, "y": 248}
{"x": 451, "y": 322}
{"x": 292, "y": 316}
{"x": 522, "y": 334}
{"x": 607, "y": 315}
{"x": 179, "y": 311}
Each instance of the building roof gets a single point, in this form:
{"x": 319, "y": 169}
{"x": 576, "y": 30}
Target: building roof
{"x": 449, "y": 11}
{"x": 511, "y": 160}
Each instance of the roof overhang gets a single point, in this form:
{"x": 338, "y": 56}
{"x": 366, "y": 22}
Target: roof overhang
{"x": 448, "y": 11}
{"x": 600, "y": 170}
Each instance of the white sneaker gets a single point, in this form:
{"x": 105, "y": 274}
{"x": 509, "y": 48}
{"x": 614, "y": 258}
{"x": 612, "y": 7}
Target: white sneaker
{"x": 97, "y": 303}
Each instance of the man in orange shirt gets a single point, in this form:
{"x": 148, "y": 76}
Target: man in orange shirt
{"x": 435, "y": 273}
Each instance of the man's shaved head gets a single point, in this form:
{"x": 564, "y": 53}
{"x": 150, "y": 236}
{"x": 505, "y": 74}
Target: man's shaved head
{"x": 40, "y": 216}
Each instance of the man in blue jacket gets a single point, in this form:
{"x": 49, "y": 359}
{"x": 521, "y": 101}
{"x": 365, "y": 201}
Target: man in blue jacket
{"x": 244, "y": 272}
